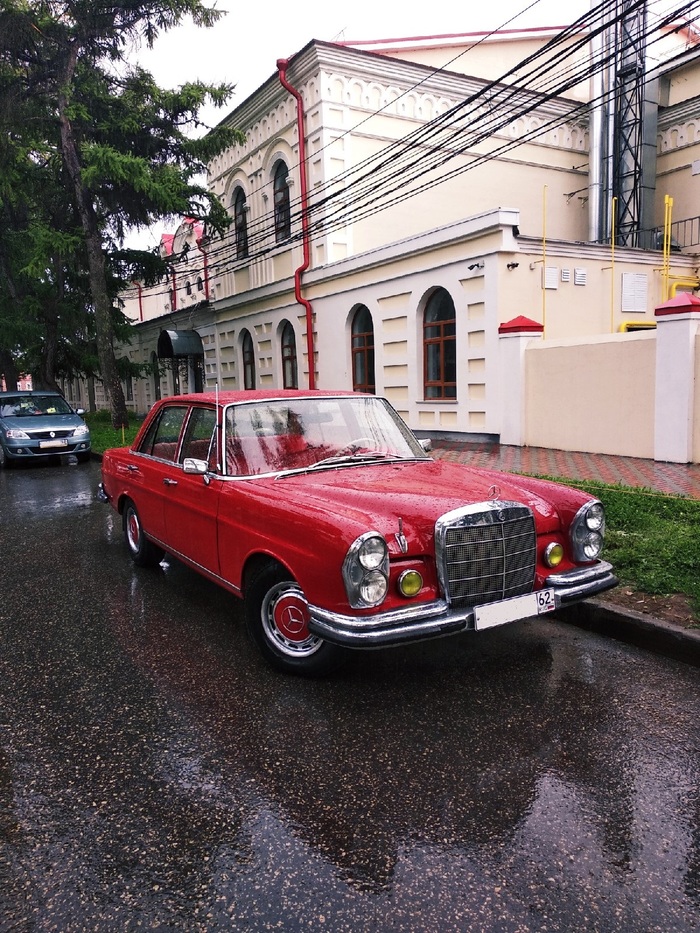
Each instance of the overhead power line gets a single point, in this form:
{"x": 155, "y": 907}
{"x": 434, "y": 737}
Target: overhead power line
{"x": 421, "y": 160}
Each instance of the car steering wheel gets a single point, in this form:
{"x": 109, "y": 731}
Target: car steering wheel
{"x": 353, "y": 446}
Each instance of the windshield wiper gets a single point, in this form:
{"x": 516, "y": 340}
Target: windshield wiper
{"x": 354, "y": 458}
{"x": 340, "y": 460}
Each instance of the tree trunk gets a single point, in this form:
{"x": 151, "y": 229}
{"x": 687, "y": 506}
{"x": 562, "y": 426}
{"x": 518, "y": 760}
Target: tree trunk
{"x": 96, "y": 261}
{"x": 47, "y": 365}
{"x": 92, "y": 405}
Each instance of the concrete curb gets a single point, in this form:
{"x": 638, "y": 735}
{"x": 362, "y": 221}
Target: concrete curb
{"x": 635, "y": 628}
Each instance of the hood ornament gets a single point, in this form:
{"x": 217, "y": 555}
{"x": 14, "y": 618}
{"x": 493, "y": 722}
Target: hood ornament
{"x": 401, "y": 538}
{"x": 494, "y": 493}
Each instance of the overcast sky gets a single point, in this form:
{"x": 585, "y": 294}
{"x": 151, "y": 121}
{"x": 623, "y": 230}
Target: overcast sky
{"x": 244, "y": 46}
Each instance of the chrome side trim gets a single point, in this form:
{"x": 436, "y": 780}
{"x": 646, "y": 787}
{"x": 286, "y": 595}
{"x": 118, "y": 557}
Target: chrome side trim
{"x": 209, "y": 574}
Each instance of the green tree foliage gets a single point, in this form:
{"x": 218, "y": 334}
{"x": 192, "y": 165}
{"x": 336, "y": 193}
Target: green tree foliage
{"x": 92, "y": 147}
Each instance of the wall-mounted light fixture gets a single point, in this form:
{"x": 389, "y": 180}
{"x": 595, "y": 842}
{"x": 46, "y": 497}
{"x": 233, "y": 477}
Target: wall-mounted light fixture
{"x": 476, "y": 265}
{"x": 512, "y": 265}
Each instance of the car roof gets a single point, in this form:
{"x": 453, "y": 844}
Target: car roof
{"x": 30, "y": 392}
{"x": 229, "y": 397}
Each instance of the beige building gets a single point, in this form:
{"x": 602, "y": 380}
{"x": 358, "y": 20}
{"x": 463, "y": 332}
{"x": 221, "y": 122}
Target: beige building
{"x": 420, "y": 208}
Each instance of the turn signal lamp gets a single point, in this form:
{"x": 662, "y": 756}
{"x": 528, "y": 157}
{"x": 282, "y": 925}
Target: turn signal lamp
{"x": 553, "y": 554}
{"x": 410, "y": 583}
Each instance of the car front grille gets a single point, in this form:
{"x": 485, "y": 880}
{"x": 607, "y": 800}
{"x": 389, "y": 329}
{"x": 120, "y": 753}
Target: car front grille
{"x": 49, "y": 435}
{"x": 486, "y": 552}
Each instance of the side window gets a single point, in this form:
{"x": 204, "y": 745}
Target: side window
{"x": 199, "y": 434}
{"x": 162, "y": 437}
{"x": 439, "y": 346}
{"x": 290, "y": 379}
{"x": 283, "y": 223}
{"x": 240, "y": 224}
{"x": 363, "y": 351}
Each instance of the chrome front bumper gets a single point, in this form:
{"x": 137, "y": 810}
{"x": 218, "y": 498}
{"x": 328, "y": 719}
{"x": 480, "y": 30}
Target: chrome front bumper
{"x": 432, "y": 620}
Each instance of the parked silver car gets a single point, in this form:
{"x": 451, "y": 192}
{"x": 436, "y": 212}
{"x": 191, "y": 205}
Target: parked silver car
{"x": 40, "y": 424}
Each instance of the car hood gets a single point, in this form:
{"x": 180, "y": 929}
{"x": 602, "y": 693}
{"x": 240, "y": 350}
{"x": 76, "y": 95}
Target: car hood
{"x": 32, "y": 423}
{"x": 418, "y": 492}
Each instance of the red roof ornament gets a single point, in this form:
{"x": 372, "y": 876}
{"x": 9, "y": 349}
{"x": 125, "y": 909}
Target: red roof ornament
{"x": 679, "y": 304}
{"x": 521, "y": 325}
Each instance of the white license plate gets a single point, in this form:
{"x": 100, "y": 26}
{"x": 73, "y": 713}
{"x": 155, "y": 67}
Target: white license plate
{"x": 44, "y": 444}
{"x": 511, "y": 610}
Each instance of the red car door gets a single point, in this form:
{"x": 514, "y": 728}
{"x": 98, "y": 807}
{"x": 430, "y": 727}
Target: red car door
{"x": 190, "y": 501}
{"x": 148, "y": 473}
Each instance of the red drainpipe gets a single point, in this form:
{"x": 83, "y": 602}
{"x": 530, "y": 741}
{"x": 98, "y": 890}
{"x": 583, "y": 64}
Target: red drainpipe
{"x": 174, "y": 307}
{"x": 206, "y": 268}
{"x": 282, "y": 64}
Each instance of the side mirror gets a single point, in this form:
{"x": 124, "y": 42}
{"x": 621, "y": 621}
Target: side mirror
{"x": 80, "y": 411}
{"x": 192, "y": 465}
{"x": 426, "y": 444}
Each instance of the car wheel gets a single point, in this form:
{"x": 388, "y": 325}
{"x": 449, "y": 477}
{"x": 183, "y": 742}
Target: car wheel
{"x": 83, "y": 457}
{"x": 3, "y": 458}
{"x": 143, "y": 552}
{"x": 277, "y": 615}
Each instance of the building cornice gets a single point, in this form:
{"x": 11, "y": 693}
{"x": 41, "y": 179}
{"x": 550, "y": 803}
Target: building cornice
{"x": 682, "y": 112}
{"x": 319, "y": 56}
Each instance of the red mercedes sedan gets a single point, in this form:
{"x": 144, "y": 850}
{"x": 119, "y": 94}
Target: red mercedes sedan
{"x": 325, "y": 514}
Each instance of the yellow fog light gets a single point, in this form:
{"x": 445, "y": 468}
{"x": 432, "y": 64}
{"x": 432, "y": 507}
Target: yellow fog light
{"x": 410, "y": 583}
{"x": 553, "y": 554}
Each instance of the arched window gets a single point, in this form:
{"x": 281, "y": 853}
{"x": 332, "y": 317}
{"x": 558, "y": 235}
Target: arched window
{"x": 363, "y": 351}
{"x": 290, "y": 379}
{"x": 440, "y": 348}
{"x": 248, "y": 361}
{"x": 283, "y": 225}
{"x": 240, "y": 223}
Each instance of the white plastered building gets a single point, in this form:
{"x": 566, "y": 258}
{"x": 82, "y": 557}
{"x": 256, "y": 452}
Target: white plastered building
{"x": 359, "y": 255}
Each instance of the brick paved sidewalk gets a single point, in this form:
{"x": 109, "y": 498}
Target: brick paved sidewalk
{"x": 674, "y": 478}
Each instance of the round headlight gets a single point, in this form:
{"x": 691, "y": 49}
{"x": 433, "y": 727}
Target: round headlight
{"x": 553, "y": 554}
{"x": 592, "y": 545}
{"x": 588, "y": 531}
{"x": 410, "y": 583}
{"x": 372, "y": 553}
{"x": 595, "y": 517}
{"x": 373, "y": 588}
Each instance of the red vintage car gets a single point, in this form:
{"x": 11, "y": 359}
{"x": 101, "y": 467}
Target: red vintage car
{"x": 329, "y": 518}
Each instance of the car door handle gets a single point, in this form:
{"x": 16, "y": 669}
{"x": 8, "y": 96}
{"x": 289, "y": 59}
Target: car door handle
{"x": 132, "y": 468}
{"x": 169, "y": 482}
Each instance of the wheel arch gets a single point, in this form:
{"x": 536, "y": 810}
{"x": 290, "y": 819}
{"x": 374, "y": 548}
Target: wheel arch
{"x": 255, "y": 563}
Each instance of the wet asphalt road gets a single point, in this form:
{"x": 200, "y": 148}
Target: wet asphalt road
{"x": 155, "y": 774}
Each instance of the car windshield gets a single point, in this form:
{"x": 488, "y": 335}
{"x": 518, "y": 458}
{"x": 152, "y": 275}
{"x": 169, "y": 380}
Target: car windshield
{"x": 272, "y": 436}
{"x": 19, "y": 406}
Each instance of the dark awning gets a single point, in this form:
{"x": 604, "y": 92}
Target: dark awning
{"x": 173, "y": 343}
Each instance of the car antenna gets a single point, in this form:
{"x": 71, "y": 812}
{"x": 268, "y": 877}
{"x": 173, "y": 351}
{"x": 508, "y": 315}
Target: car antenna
{"x": 219, "y": 429}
